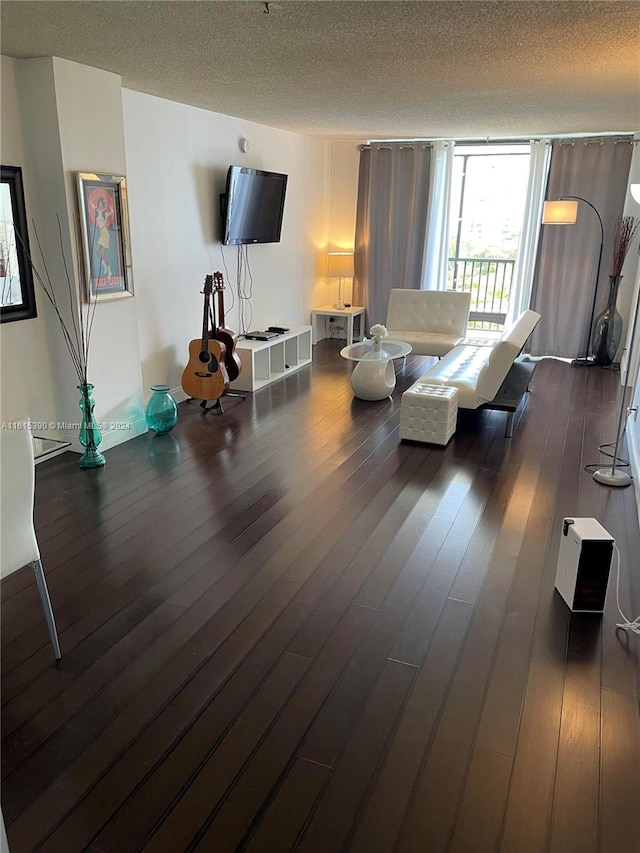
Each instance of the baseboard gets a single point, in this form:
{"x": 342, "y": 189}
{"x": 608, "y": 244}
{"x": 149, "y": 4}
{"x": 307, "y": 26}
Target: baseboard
{"x": 113, "y": 434}
{"x": 178, "y": 395}
{"x": 113, "y": 437}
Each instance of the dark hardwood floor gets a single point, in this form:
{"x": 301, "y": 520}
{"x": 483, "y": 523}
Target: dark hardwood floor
{"x": 284, "y": 629}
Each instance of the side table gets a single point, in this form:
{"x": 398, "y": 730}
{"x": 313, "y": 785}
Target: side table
{"x": 374, "y": 376}
{"x": 319, "y": 320}
{"x": 44, "y": 448}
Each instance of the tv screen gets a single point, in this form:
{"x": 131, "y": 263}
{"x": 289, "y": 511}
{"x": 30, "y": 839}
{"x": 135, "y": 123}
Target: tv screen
{"x": 252, "y": 206}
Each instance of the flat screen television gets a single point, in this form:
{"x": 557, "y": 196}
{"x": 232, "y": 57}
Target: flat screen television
{"x": 252, "y": 206}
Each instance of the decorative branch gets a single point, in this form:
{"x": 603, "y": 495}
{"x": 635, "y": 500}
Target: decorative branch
{"x": 624, "y": 231}
{"x": 77, "y": 334}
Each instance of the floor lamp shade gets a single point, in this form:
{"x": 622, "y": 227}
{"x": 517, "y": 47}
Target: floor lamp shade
{"x": 560, "y": 213}
{"x": 340, "y": 266}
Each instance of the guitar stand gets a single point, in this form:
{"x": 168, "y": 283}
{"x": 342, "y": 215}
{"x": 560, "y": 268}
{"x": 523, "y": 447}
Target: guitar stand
{"x": 217, "y": 407}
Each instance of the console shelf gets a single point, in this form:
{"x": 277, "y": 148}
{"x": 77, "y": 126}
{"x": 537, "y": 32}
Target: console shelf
{"x": 264, "y": 362}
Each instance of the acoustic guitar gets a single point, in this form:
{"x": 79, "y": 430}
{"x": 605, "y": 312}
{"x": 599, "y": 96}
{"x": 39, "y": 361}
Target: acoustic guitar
{"x": 205, "y": 376}
{"x": 226, "y": 336}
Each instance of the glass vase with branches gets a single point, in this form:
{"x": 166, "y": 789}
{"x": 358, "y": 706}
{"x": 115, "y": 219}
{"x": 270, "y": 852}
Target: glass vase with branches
{"x": 76, "y": 332}
{"x": 607, "y": 327}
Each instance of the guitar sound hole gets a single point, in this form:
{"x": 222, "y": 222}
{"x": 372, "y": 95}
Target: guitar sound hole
{"x": 207, "y": 358}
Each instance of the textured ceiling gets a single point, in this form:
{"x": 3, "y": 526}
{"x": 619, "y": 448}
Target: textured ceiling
{"x": 361, "y": 69}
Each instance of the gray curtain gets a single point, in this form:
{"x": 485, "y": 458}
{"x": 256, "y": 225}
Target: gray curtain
{"x": 391, "y": 223}
{"x": 564, "y": 280}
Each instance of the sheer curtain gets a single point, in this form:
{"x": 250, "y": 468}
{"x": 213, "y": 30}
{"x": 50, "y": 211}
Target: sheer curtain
{"x": 391, "y": 222}
{"x": 564, "y": 280}
{"x": 437, "y": 252}
{"x": 524, "y": 269}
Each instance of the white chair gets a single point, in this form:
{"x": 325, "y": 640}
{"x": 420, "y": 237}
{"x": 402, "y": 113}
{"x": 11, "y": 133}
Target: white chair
{"x": 19, "y": 546}
{"x": 432, "y": 321}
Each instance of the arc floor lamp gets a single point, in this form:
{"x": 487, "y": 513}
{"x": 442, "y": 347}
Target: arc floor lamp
{"x": 565, "y": 212}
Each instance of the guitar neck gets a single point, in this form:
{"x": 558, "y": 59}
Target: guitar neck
{"x": 218, "y": 283}
{"x": 206, "y": 312}
{"x": 220, "y": 309}
{"x": 205, "y": 322}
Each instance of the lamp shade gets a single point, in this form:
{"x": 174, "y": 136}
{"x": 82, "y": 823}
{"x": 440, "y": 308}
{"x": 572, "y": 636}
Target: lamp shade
{"x": 340, "y": 265}
{"x": 635, "y": 192}
{"x": 560, "y": 212}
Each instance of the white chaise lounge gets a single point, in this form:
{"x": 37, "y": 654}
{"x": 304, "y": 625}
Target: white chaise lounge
{"x": 432, "y": 321}
{"x": 473, "y": 375}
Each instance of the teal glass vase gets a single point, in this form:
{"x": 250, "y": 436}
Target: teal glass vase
{"x": 90, "y": 436}
{"x": 161, "y": 413}
{"x": 607, "y": 328}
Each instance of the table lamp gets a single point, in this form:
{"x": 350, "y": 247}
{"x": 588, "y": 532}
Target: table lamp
{"x": 340, "y": 267}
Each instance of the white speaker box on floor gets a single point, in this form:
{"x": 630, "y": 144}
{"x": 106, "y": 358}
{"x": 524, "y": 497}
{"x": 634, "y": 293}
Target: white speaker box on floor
{"x": 584, "y": 561}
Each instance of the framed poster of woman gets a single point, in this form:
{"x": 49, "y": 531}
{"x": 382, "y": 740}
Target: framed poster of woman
{"x": 104, "y": 221}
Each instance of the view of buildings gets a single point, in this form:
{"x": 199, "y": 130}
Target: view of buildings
{"x": 488, "y": 194}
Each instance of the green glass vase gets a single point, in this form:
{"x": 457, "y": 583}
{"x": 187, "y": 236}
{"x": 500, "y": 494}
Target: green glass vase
{"x": 607, "y": 327}
{"x": 90, "y": 436}
{"x": 161, "y": 413}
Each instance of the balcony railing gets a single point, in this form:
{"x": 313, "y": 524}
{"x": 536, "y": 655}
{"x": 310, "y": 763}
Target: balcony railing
{"x": 488, "y": 280}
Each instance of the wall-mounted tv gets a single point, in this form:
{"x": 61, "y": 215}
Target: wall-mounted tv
{"x": 252, "y": 206}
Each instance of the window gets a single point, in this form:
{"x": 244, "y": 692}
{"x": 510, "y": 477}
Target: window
{"x": 488, "y": 195}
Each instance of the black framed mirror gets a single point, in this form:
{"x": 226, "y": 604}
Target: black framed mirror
{"x": 17, "y": 296}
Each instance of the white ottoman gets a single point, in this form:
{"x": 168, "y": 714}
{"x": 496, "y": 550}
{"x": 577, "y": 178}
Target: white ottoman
{"x": 428, "y": 413}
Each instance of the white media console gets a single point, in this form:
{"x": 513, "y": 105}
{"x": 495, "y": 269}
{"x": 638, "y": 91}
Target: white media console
{"x": 264, "y": 362}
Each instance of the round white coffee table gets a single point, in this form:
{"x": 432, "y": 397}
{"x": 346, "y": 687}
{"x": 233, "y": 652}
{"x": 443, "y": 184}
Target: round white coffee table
{"x": 374, "y": 376}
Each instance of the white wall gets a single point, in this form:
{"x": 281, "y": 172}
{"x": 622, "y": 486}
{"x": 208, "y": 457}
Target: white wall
{"x": 59, "y": 118}
{"x": 629, "y": 294}
{"x": 178, "y": 158}
{"x": 633, "y": 420}
{"x": 69, "y": 118}
{"x": 345, "y": 159}
{"x": 343, "y": 195}
{"x": 89, "y": 105}
{"x": 24, "y": 345}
